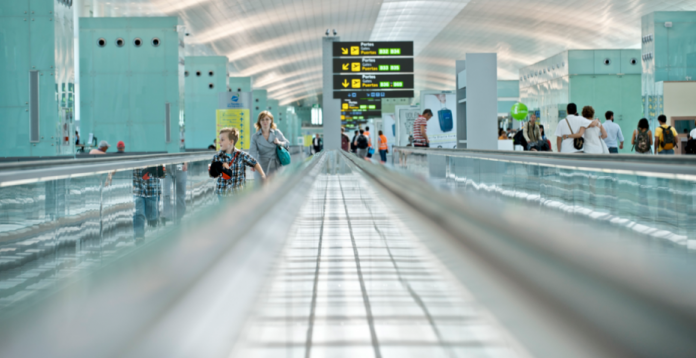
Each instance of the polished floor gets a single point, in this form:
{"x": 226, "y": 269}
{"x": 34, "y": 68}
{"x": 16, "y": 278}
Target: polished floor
{"x": 354, "y": 282}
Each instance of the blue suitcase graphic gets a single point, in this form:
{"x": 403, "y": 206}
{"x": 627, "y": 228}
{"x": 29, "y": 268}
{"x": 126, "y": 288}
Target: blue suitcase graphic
{"x": 446, "y": 120}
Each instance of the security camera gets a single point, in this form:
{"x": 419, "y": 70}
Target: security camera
{"x": 327, "y": 32}
{"x": 334, "y": 32}
{"x": 187, "y": 34}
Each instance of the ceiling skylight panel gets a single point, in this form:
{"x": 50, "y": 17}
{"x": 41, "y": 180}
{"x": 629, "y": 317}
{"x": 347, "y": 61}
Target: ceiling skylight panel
{"x": 414, "y": 20}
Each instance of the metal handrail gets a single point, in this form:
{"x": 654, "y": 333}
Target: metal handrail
{"x": 23, "y": 173}
{"x": 634, "y": 163}
{"x": 599, "y": 294}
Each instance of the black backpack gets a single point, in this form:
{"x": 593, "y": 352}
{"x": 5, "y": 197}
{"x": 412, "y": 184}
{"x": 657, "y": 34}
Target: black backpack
{"x": 691, "y": 146}
{"x": 518, "y": 139}
{"x": 362, "y": 142}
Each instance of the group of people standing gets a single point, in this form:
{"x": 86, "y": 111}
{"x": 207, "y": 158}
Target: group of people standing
{"x": 361, "y": 144}
{"x": 586, "y": 134}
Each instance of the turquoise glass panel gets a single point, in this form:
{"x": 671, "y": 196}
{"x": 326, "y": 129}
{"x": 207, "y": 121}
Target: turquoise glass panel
{"x": 630, "y": 62}
{"x": 581, "y": 62}
{"x": 614, "y": 60}
{"x": 14, "y": 62}
{"x": 41, "y": 48}
{"x": 14, "y": 8}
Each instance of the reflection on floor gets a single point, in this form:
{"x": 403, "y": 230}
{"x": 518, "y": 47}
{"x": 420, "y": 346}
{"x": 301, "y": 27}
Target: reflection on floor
{"x": 353, "y": 282}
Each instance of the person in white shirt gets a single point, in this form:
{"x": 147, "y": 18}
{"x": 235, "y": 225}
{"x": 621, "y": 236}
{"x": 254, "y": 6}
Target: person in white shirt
{"x": 564, "y": 141}
{"x": 692, "y": 134}
{"x": 614, "y": 134}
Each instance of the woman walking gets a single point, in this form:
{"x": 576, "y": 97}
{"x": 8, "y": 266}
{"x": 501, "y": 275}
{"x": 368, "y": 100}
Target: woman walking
{"x": 264, "y": 143}
{"x": 383, "y": 148}
{"x": 642, "y": 138}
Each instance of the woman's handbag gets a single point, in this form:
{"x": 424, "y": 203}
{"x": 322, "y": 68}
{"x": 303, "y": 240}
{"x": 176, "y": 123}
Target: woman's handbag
{"x": 283, "y": 155}
{"x": 578, "y": 143}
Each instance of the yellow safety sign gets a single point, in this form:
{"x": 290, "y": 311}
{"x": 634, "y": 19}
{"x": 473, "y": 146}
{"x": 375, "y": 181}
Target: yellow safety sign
{"x": 355, "y": 67}
{"x": 344, "y": 51}
{"x": 345, "y": 83}
{"x": 355, "y": 83}
{"x": 355, "y": 50}
{"x": 345, "y": 66}
{"x": 345, "y": 105}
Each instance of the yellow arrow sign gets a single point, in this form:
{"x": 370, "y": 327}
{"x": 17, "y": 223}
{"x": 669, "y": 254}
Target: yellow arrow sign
{"x": 344, "y": 51}
{"x": 345, "y": 66}
{"x": 345, "y": 83}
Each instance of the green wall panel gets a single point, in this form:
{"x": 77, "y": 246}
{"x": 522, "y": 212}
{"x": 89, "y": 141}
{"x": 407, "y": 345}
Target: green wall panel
{"x": 125, "y": 89}
{"x": 14, "y": 8}
{"x": 581, "y": 62}
{"x": 630, "y": 62}
{"x": 201, "y": 100}
{"x": 259, "y": 103}
{"x": 240, "y": 84}
{"x": 34, "y": 36}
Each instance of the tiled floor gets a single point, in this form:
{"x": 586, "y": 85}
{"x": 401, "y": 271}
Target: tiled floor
{"x": 354, "y": 282}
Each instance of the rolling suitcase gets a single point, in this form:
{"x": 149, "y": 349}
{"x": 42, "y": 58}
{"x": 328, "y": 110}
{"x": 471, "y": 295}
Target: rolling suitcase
{"x": 446, "y": 120}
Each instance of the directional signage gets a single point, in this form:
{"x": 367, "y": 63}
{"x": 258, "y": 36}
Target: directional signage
{"x": 361, "y": 104}
{"x": 354, "y": 49}
{"x": 373, "y": 82}
{"x": 372, "y": 94}
{"x": 368, "y": 64}
{"x": 364, "y": 114}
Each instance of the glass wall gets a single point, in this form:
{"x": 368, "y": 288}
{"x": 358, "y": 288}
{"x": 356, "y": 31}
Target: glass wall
{"x": 51, "y": 229}
{"x": 659, "y": 205}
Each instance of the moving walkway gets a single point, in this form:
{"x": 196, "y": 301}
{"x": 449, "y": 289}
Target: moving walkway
{"x": 336, "y": 256}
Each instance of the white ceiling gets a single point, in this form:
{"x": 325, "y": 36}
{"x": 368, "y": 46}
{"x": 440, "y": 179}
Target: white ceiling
{"x": 278, "y": 42}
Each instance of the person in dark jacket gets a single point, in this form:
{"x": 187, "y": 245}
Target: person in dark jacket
{"x": 353, "y": 142}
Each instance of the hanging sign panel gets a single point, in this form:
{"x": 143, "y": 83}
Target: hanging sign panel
{"x": 365, "y": 114}
{"x": 373, "y": 82}
{"x": 355, "y": 49}
{"x": 363, "y": 104}
{"x": 236, "y": 118}
{"x": 372, "y": 94}
{"x": 369, "y": 64}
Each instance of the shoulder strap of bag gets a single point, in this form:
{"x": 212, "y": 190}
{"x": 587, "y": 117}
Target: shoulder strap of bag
{"x": 571, "y": 128}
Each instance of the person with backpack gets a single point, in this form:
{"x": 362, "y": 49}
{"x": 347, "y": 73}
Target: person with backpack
{"x": 642, "y": 138}
{"x": 665, "y": 137}
{"x": 362, "y": 144}
{"x": 354, "y": 142}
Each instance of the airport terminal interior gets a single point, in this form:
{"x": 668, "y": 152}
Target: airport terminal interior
{"x": 325, "y": 178}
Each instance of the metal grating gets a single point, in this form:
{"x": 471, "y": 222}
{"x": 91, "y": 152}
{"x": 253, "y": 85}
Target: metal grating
{"x": 167, "y": 123}
{"x": 34, "y": 106}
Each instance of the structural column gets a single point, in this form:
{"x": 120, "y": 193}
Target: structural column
{"x": 331, "y": 107}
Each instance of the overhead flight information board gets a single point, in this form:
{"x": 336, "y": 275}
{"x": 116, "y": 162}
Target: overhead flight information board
{"x": 365, "y": 72}
{"x": 369, "y": 64}
{"x": 356, "y": 49}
